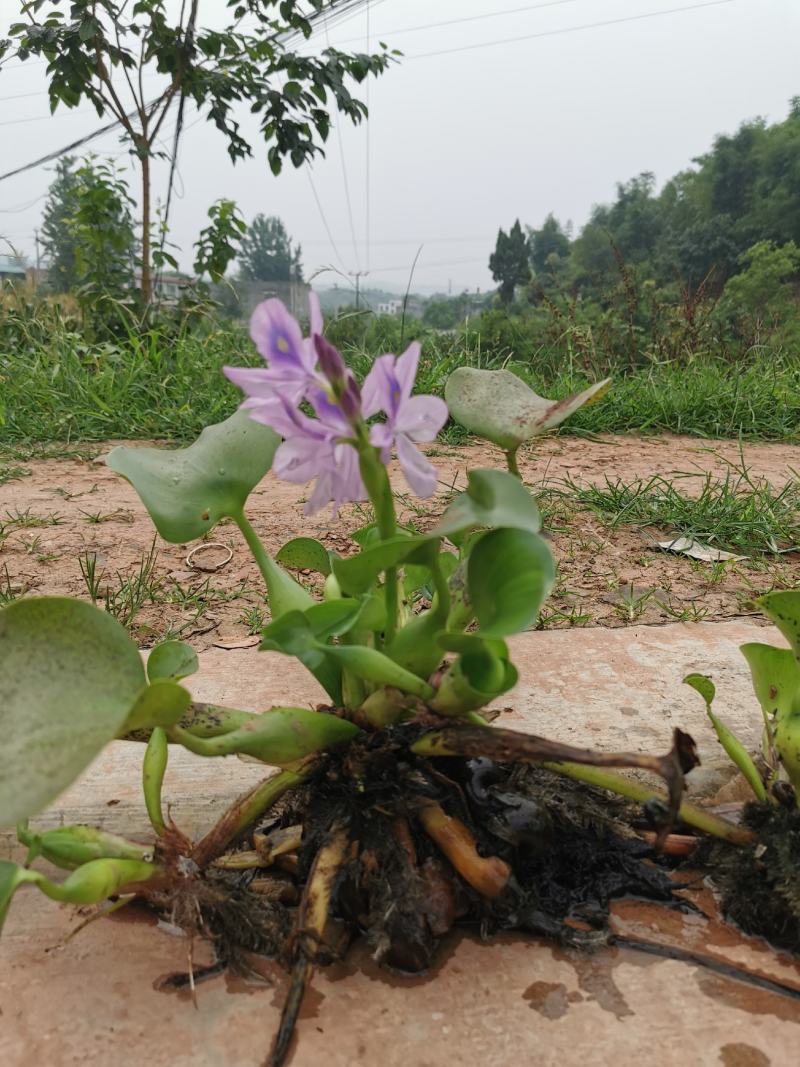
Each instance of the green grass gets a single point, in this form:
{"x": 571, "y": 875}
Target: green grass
{"x": 736, "y": 512}
{"x": 170, "y": 385}
{"x": 9, "y": 473}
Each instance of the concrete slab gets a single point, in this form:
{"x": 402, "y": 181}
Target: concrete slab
{"x": 515, "y": 1000}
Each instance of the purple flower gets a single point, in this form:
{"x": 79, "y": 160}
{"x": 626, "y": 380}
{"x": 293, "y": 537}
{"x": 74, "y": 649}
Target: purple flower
{"x": 290, "y": 358}
{"x": 409, "y": 418}
{"x": 317, "y": 448}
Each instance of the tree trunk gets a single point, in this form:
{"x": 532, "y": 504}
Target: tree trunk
{"x": 147, "y": 284}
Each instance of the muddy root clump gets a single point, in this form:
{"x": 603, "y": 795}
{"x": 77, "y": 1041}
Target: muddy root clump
{"x": 396, "y": 849}
{"x": 760, "y": 884}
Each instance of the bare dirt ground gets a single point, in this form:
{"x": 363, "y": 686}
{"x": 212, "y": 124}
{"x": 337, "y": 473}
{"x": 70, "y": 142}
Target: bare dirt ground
{"x": 56, "y": 513}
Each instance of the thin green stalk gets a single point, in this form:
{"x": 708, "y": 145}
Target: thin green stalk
{"x": 628, "y": 787}
{"x": 511, "y": 462}
{"x": 154, "y": 767}
{"x": 284, "y": 593}
{"x": 376, "y": 481}
{"x": 441, "y": 585}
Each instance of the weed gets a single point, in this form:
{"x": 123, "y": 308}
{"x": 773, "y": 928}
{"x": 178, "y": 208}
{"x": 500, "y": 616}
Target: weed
{"x": 26, "y": 519}
{"x": 125, "y": 600}
{"x": 630, "y": 602}
{"x": 9, "y": 474}
{"x": 7, "y": 593}
{"x": 691, "y": 612}
{"x": 35, "y": 548}
{"x": 97, "y": 517}
{"x": 734, "y": 512}
{"x": 59, "y": 388}
{"x": 254, "y": 618}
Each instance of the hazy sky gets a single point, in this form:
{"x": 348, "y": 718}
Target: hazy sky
{"x": 467, "y": 140}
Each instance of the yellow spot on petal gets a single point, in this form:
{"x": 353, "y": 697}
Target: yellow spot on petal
{"x": 283, "y": 344}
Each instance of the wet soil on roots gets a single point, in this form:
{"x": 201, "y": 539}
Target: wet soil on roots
{"x": 760, "y": 886}
{"x": 546, "y": 854}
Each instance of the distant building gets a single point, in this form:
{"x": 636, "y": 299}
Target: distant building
{"x": 36, "y": 276}
{"x": 293, "y": 294}
{"x": 413, "y": 306}
{"x": 170, "y": 286}
{"x": 12, "y": 269}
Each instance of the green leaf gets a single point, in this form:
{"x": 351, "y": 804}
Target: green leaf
{"x": 491, "y": 499}
{"x": 356, "y": 574}
{"x": 739, "y": 755}
{"x": 499, "y": 406}
{"x": 474, "y": 679}
{"x": 172, "y": 660}
{"x": 783, "y": 608}
{"x": 509, "y": 574}
{"x": 279, "y": 737}
{"x": 188, "y": 490}
{"x": 776, "y": 678}
{"x": 305, "y": 553}
{"x": 69, "y": 675}
{"x": 703, "y": 685}
{"x": 332, "y": 618}
{"x": 70, "y": 846}
{"x": 374, "y": 666}
{"x": 161, "y": 703}
{"x": 293, "y": 635}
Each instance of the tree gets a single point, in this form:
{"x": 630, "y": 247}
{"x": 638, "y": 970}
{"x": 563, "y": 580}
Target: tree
{"x": 217, "y": 243}
{"x": 58, "y": 237}
{"x": 509, "y": 263}
{"x": 763, "y": 287}
{"x": 550, "y": 240}
{"x": 103, "y": 51}
{"x": 88, "y": 230}
{"x": 267, "y": 253}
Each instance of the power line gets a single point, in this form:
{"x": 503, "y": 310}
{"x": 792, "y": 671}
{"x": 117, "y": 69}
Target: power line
{"x": 21, "y": 96}
{"x": 322, "y": 216}
{"x": 18, "y": 210}
{"x": 471, "y": 18}
{"x": 569, "y": 29}
{"x": 367, "y": 185}
{"x": 46, "y": 118}
{"x": 424, "y": 266}
{"x": 346, "y": 184}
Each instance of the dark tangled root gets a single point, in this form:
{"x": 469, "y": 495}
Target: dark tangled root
{"x": 760, "y": 885}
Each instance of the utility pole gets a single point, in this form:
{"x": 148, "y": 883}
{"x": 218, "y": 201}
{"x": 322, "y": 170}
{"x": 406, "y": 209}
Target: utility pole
{"x": 358, "y": 274}
{"x": 38, "y": 262}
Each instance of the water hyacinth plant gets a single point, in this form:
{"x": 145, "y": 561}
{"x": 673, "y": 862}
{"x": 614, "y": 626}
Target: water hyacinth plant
{"x": 395, "y": 807}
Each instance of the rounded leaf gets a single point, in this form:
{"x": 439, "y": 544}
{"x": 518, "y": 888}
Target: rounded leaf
{"x": 69, "y": 674}
{"x": 492, "y": 499}
{"x": 188, "y": 490}
{"x": 172, "y": 660}
{"x": 499, "y": 406}
{"x": 305, "y": 553}
{"x": 509, "y": 574}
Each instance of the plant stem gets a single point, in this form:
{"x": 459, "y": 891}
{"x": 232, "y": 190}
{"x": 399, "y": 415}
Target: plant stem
{"x": 284, "y": 593}
{"x": 628, "y": 787}
{"x": 440, "y": 584}
{"x": 244, "y": 811}
{"x": 154, "y": 766}
{"x": 376, "y": 481}
{"x": 511, "y": 462}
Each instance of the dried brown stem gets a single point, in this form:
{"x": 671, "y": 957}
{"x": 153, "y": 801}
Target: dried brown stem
{"x": 513, "y": 746}
{"x": 312, "y": 920}
{"x": 243, "y": 812}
